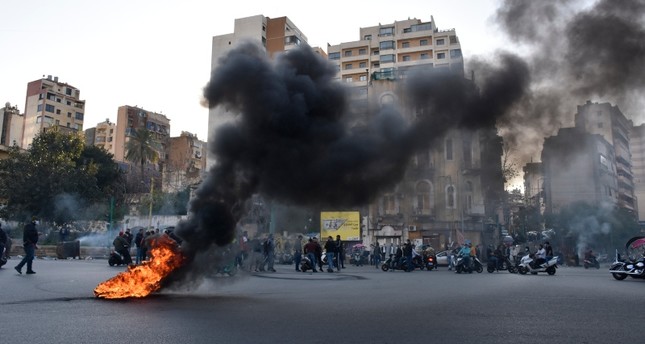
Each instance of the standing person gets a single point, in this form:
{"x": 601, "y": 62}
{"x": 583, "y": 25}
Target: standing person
{"x": 340, "y": 252}
{"x": 269, "y": 252}
{"x": 297, "y": 252}
{"x": 310, "y": 250}
{"x": 138, "y": 241}
{"x": 30, "y": 239}
{"x": 330, "y": 248}
{"x": 243, "y": 255}
{"x": 377, "y": 255}
{"x": 3, "y": 244}
{"x": 318, "y": 254}
{"x": 407, "y": 252}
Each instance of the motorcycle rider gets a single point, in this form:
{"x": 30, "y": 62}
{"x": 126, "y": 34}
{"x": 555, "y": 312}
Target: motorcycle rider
{"x": 122, "y": 247}
{"x": 549, "y": 250}
{"x": 492, "y": 256}
{"x": 540, "y": 256}
{"x": 465, "y": 254}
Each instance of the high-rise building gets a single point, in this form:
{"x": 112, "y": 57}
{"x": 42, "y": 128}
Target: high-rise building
{"x": 186, "y": 162}
{"x": 637, "y": 148}
{"x": 103, "y": 135}
{"x": 451, "y": 191}
{"x": 276, "y": 35}
{"x": 609, "y": 122}
{"x": 51, "y": 104}
{"x": 131, "y": 118}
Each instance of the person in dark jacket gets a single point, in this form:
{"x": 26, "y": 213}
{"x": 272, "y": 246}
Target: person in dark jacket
{"x": 30, "y": 239}
{"x": 3, "y": 244}
{"x": 330, "y": 249}
{"x": 122, "y": 247}
{"x": 138, "y": 241}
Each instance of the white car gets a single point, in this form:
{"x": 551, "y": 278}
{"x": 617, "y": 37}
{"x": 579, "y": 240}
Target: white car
{"x": 442, "y": 258}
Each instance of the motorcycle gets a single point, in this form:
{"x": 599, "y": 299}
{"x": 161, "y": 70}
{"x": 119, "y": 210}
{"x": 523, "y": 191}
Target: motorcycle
{"x": 504, "y": 264}
{"x": 475, "y": 265}
{"x": 307, "y": 264}
{"x": 527, "y": 265}
{"x": 116, "y": 259}
{"x": 621, "y": 269}
{"x": 430, "y": 262}
{"x": 591, "y": 262}
{"x": 401, "y": 264}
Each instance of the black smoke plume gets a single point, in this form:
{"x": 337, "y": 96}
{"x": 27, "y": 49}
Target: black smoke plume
{"x": 576, "y": 51}
{"x": 291, "y": 141}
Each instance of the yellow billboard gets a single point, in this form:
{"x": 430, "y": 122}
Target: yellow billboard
{"x": 347, "y": 224}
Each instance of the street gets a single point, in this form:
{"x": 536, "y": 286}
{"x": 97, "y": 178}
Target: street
{"x": 359, "y": 304}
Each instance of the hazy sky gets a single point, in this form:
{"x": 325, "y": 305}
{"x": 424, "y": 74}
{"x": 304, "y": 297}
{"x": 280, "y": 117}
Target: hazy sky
{"x": 156, "y": 54}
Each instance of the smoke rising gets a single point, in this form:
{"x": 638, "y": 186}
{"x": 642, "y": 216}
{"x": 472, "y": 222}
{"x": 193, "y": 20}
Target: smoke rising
{"x": 292, "y": 141}
{"x": 578, "y": 51}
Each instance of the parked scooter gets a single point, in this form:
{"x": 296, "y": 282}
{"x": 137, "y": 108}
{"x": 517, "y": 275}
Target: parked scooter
{"x": 527, "y": 265}
{"x": 402, "y": 264}
{"x": 504, "y": 264}
{"x": 307, "y": 264}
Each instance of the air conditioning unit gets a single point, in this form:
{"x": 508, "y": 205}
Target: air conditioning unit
{"x": 412, "y": 228}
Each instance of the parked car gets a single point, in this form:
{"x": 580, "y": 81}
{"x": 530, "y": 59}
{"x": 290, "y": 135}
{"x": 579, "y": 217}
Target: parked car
{"x": 442, "y": 258}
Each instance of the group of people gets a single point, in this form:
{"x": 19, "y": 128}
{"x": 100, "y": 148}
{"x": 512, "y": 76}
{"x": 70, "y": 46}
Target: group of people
{"x": 334, "y": 253}
{"x": 142, "y": 240}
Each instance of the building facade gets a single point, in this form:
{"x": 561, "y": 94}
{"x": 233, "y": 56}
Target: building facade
{"x": 103, "y": 135}
{"x": 51, "y": 104}
{"x": 131, "y": 118}
{"x": 637, "y": 148}
{"x": 11, "y": 125}
{"x": 186, "y": 162}
{"x": 276, "y": 35}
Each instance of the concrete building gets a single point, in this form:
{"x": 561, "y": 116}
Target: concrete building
{"x": 51, "y": 104}
{"x": 451, "y": 192}
{"x": 276, "y": 35}
{"x": 186, "y": 162}
{"x": 637, "y": 148}
{"x": 11, "y": 125}
{"x": 578, "y": 167}
{"x": 131, "y": 118}
{"x": 103, "y": 135}
{"x": 609, "y": 122}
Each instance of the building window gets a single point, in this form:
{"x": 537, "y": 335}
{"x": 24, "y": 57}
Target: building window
{"x": 455, "y": 53}
{"x": 441, "y": 56}
{"x": 362, "y": 51}
{"x": 440, "y": 41}
{"x": 58, "y": 111}
{"x": 362, "y": 65}
{"x": 386, "y": 45}
{"x": 367, "y": 37}
{"x": 349, "y": 79}
{"x": 448, "y": 149}
{"x": 405, "y": 45}
{"x": 450, "y": 197}
{"x": 68, "y": 103}
{"x": 68, "y": 91}
{"x": 348, "y": 53}
{"x": 363, "y": 78}
{"x": 348, "y": 66}
{"x": 600, "y": 124}
{"x": 40, "y": 107}
{"x": 69, "y": 114}
{"x": 423, "y": 42}
{"x": 469, "y": 195}
{"x": 334, "y": 56}
{"x": 387, "y": 58}
{"x": 58, "y": 100}
{"x": 50, "y": 108}
{"x": 424, "y": 56}
{"x": 79, "y": 116}
{"x": 423, "y": 198}
{"x": 386, "y": 31}
{"x": 376, "y": 52}
{"x": 406, "y": 58}
{"x": 453, "y": 39}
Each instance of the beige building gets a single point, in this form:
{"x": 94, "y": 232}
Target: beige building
{"x": 186, "y": 162}
{"x": 51, "y": 104}
{"x": 103, "y": 135}
{"x": 131, "y": 118}
{"x": 276, "y": 35}
{"x": 451, "y": 191}
{"x": 11, "y": 125}
{"x": 637, "y": 148}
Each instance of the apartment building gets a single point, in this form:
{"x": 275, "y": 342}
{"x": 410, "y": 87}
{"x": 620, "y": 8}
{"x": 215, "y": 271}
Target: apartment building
{"x": 131, "y": 118}
{"x": 51, "y": 105}
{"x": 103, "y": 135}
{"x": 186, "y": 162}
{"x": 11, "y": 125}
{"x": 637, "y": 148}
{"x": 275, "y": 34}
{"x": 608, "y": 121}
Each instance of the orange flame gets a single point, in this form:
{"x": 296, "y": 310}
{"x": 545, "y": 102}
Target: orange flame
{"x": 144, "y": 279}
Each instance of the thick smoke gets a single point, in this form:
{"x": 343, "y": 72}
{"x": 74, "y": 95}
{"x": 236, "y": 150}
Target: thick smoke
{"x": 291, "y": 141}
{"x": 577, "y": 51}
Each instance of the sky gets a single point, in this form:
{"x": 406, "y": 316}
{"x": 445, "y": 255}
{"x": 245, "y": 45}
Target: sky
{"x": 157, "y": 55}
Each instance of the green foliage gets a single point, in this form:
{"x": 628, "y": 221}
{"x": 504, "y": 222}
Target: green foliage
{"x": 141, "y": 148}
{"x": 58, "y": 179}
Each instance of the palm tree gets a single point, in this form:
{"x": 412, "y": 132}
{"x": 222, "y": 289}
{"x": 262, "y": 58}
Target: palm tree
{"x": 141, "y": 148}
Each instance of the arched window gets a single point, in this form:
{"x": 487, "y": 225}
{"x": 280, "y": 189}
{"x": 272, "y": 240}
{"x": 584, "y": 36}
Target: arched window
{"x": 468, "y": 190}
{"x": 450, "y": 197}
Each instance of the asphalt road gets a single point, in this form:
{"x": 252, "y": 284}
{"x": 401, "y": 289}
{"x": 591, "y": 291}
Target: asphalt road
{"x": 357, "y": 305}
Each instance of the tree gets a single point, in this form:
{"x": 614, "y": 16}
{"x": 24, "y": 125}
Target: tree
{"x": 141, "y": 148}
{"x": 57, "y": 179}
